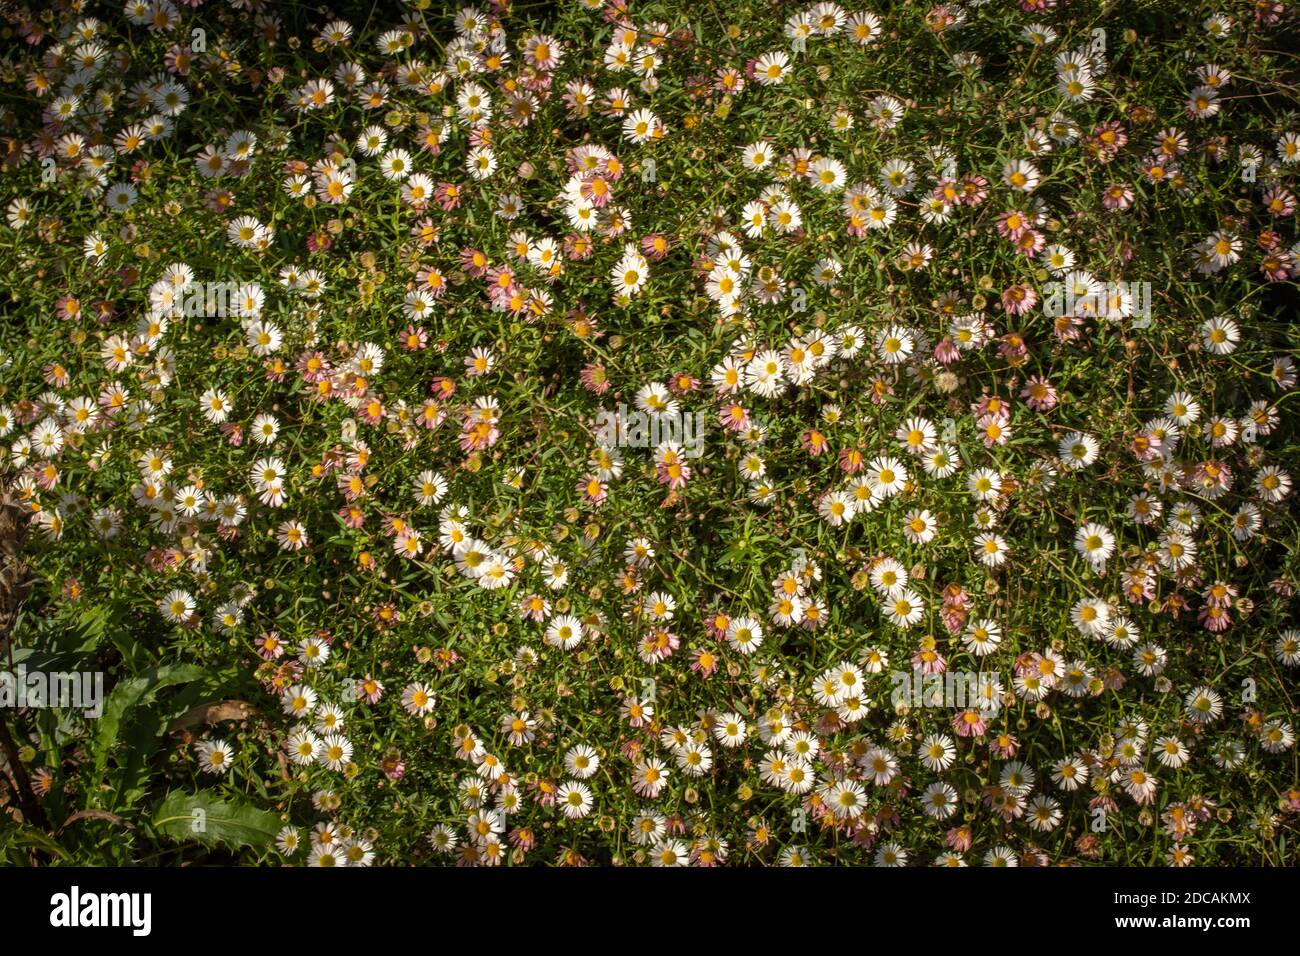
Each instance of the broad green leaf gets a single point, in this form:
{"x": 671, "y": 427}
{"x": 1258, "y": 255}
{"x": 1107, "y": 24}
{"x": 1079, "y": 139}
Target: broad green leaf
{"x": 204, "y": 817}
{"x": 128, "y": 694}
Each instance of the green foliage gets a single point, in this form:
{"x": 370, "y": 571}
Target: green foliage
{"x": 170, "y": 563}
{"x": 208, "y": 818}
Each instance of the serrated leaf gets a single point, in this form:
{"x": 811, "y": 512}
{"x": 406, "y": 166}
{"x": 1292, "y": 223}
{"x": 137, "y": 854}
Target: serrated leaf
{"x": 206, "y": 818}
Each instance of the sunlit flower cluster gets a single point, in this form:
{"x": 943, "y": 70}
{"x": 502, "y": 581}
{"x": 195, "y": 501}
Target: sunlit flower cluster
{"x": 950, "y": 519}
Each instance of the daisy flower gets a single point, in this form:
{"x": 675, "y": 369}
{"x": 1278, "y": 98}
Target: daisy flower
{"x": 215, "y": 756}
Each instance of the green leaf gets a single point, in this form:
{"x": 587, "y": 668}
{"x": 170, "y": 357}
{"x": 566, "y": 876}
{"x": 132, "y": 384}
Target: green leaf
{"x": 206, "y": 818}
{"x": 127, "y": 695}
{"x": 140, "y": 741}
{"x": 30, "y": 838}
